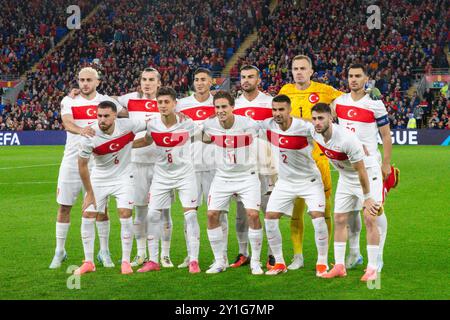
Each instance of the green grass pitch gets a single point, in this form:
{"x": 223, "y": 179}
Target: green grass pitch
{"x": 416, "y": 253}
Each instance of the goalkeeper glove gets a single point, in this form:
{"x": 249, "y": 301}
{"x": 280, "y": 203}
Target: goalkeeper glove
{"x": 374, "y": 93}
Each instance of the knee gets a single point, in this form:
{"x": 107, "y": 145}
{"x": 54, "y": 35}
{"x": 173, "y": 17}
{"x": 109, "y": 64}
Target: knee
{"x": 213, "y": 216}
{"x": 369, "y": 221}
{"x": 272, "y": 215}
{"x": 64, "y": 211}
{"x": 102, "y": 217}
{"x": 340, "y": 220}
{"x": 125, "y": 213}
{"x": 154, "y": 216}
{"x": 91, "y": 215}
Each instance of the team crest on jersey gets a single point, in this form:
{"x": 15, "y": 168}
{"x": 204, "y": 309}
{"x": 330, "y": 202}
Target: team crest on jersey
{"x": 170, "y": 139}
{"x": 84, "y": 112}
{"x": 313, "y": 97}
{"x": 287, "y": 142}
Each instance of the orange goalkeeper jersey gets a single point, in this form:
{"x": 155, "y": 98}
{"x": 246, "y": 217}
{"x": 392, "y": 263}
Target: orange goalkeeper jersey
{"x": 302, "y": 101}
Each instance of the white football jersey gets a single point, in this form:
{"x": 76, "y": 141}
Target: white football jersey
{"x": 202, "y": 154}
{"x": 173, "y": 145}
{"x": 259, "y": 109}
{"x": 141, "y": 108}
{"x": 363, "y": 117}
{"x": 84, "y": 113}
{"x": 293, "y": 148}
{"x": 235, "y": 150}
{"x": 112, "y": 153}
{"x": 343, "y": 149}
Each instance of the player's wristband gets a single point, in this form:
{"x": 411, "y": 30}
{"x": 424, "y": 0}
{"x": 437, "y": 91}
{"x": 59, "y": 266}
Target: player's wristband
{"x": 366, "y": 196}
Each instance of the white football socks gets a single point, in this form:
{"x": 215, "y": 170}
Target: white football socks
{"x": 372, "y": 256}
{"x": 242, "y": 228}
{"x": 339, "y": 252}
{"x": 166, "y": 232}
{"x": 255, "y": 237}
{"x": 153, "y": 233}
{"x": 354, "y": 232}
{"x": 382, "y": 225}
{"x": 224, "y": 225}
{"x": 61, "y": 235}
{"x": 140, "y": 229}
{"x": 215, "y": 237}
{"x": 274, "y": 239}
{"x": 126, "y": 234}
{"x": 321, "y": 237}
{"x": 103, "y": 229}
{"x": 193, "y": 233}
{"x": 88, "y": 238}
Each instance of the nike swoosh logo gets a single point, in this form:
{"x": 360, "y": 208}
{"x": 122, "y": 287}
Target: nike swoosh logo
{"x": 321, "y": 206}
{"x": 192, "y": 201}
{"x": 90, "y": 122}
{"x": 168, "y": 150}
{"x": 323, "y": 239}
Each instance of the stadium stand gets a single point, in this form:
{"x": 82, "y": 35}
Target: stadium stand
{"x": 29, "y": 29}
{"x": 411, "y": 40}
{"x": 176, "y": 37}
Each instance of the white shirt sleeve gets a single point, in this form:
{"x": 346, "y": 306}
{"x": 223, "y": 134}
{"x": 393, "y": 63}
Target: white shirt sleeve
{"x": 86, "y": 147}
{"x": 380, "y": 113}
{"x": 139, "y": 125}
{"x": 65, "y": 106}
{"x": 123, "y": 100}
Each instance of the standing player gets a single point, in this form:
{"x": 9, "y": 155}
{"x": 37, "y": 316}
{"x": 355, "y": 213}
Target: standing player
{"x": 298, "y": 178}
{"x": 305, "y": 93}
{"x": 143, "y": 105}
{"x": 258, "y": 106}
{"x": 111, "y": 176}
{"x": 173, "y": 171}
{"x": 236, "y": 174}
{"x": 365, "y": 117}
{"x": 78, "y": 114}
{"x": 355, "y": 191}
{"x": 199, "y": 107}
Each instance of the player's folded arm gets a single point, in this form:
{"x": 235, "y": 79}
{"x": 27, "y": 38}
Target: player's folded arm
{"x": 69, "y": 124}
{"x": 205, "y": 138}
{"x": 143, "y": 142}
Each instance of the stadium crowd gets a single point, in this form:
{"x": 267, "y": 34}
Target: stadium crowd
{"x": 29, "y": 29}
{"x": 179, "y": 37}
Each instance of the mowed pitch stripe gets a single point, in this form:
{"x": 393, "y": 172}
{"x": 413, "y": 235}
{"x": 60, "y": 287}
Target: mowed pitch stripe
{"x": 28, "y": 182}
{"x": 34, "y": 166}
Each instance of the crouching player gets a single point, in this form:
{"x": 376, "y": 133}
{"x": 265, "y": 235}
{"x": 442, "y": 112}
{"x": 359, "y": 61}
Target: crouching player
{"x": 353, "y": 193}
{"x": 111, "y": 176}
{"x": 298, "y": 177}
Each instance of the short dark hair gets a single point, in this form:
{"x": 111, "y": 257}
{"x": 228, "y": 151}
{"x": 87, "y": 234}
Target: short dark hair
{"x": 250, "y": 67}
{"x": 282, "y": 98}
{"x": 321, "y": 108}
{"x": 358, "y": 66}
{"x": 203, "y": 70}
{"x": 224, "y": 95}
{"x": 167, "y": 91}
{"x": 107, "y": 104}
